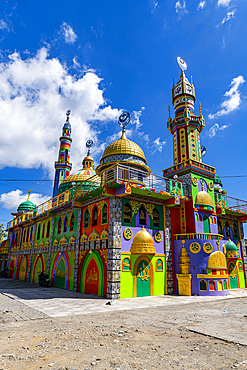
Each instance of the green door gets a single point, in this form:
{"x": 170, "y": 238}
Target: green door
{"x": 60, "y": 281}
{"x": 206, "y": 225}
{"x": 232, "y": 272}
{"x": 143, "y": 279}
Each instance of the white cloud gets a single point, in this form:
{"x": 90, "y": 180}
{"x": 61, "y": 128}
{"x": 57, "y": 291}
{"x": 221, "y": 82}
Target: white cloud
{"x": 35, "y": 93}
{"x": 3, "y": 25}
{"x": 180, "y": 8}
{"x": 223, "y": 2}
{"x": 12, "y": 199}
{"x": 158, "y": 145}
{"x": 233, "y": 98}
{"x": 68, "y": 33}
{"x": 201, "y": 5}
{"x": 154, "y": 5}
{"x": 229, "y": 15}
{"x": 215, "y": 128}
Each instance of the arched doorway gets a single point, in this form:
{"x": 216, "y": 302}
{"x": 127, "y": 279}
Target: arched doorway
{"x": 143, "y": 277}
{"x": 12, "y": 268}
{"x": 60, "y": 274}
{"x": 23, "y": 269}
{"x": 38, "y": 267}
{"x": 206, "y": 224}
{"x": 92, "y": 277}
{"x": 232, "y": 272}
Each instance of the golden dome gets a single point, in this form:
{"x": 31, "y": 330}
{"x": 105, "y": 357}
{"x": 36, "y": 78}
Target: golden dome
{"x": 123, "y": 146}
{"x": 203, "y": 198}
{"x": 143, "y": 243}
{"x": 217, "y": 260}
{"x": 82, "y": 175}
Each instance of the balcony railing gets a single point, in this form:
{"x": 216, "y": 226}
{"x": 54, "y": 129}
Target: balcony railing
{"x": 236, "y": 204}
{"x": 198, "y": 236}
{"x": 117, "y": 173}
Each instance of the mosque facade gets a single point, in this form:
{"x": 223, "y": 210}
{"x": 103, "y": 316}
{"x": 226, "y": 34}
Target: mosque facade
{"x": 119, "y": 231}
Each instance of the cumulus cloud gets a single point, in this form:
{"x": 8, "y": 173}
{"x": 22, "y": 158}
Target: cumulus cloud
{"x": 232, "y": 98}
{"x": 215, "y": 128}
{"x": 228, "y": 16}
{"x": 12, "y": 199}
{"x": 180, "y": 8}
{"x": 35, "y": 93}
{"x": 68, "y": 32}
{"x": 223, "y": 2}
{"x": 201, "y": 5}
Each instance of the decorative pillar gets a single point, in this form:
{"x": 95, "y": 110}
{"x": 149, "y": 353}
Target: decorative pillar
{"x": 184, "y": 278}
{"x": 114, "y": 248}
{"x": 168, "y": 251}
{"x": 77, "y": 247}
{"x": 50, "y": 245}
{"x": 31, "y": 252}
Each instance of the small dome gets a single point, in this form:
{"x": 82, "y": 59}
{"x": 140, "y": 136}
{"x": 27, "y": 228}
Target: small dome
{"x": 123, "y": 146}
{"x": 230, "y": 246}
{"x": 217, "y": 260}
{"x": 204, "y": 199}
{"x": 26, "y": 206}
{"x": 67, "y": 125}
{"x": 143, "y": 243}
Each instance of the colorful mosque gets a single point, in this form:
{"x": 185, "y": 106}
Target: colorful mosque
{"x": 120, "y": 231}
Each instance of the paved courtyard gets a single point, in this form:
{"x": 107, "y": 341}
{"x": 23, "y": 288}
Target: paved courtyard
{"x": 50, "y": 328}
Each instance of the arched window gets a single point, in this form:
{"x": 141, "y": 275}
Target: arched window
{"x": 156, "y": 218}
{"x": 219, "y": 285}
{"x": 38, "y": 232}
{"x": 95, "y": 216}
{"x": 48, "y": 229}
{"x": 235, "y": 230}
{"x": 86, "y": 219}
{"x": 215, "y": 220}
{"x": 127, "y": 213}
{"x": 220, "y": 228}
{"x": 66, "y": 155}
{"x": 212, "y": 285}
{"x": 27, "y": 235}
{"x": 43, "y": 231}
{"x": 228, "y": 231}
{"x": 59, "y": 226}
{"x": 203, "y": 285}
{"x": 31, "y": 233}
{"x": 225, "y": 285}
{"x": 200, "y": 217}
{"x": 18, "y": 237}
{"x": 142, "y": 216}
{"x": 211, "y": 220}
{"x": 65, "y": 224}
{"x": 24, "y": 236}
{"x": 196, "y": 217}
{"x": 206, "y": 224}
{"x": 104, "y": 213}
{"x": 72, "y": 222}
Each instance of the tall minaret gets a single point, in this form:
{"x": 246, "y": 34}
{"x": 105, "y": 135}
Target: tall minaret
{"x": 185, "y": 127}
{"x": 63, "y": 165}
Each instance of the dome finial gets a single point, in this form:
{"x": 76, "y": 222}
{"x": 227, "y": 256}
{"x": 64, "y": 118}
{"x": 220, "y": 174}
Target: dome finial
{"x": 123, "y": 120}
{"x": 89, "y": 145}
{"x": 29, "y": 192}
{"x": 68, "y": 114}
{"x": 218, "y": 244}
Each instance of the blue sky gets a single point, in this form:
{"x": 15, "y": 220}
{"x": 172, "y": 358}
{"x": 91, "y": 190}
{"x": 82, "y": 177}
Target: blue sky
{"x": 100, "y": 57}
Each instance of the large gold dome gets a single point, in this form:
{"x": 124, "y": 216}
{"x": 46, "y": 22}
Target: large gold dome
{"x": 203, "y": 198}
{"x": 123, "y": 146}
{"x": 217, "y": 260}
{"x": 143, "y": 243}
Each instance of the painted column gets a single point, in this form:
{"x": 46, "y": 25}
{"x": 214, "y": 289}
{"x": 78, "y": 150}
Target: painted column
{"x": 77, "y": 247}
{"x": 50, "y": 245}
{"x": 169, "y": 267}
{"x": 114, "y": 248}
{"x": 18, "y": 253}
{"x": 31, "y": 252}
{"x": 243, "y": 247}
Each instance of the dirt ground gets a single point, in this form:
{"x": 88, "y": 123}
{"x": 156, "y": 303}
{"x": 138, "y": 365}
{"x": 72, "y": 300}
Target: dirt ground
{"x": 150, "y": 338}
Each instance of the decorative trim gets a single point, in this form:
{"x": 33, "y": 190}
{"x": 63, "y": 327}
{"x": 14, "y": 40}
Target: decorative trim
{"x": 207, "y": 247}
{"x": 158, "y": 236}
{"x": 128, "y": 233}
{"x": 195, "y": 247}
{"x": 126, "y": 263}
